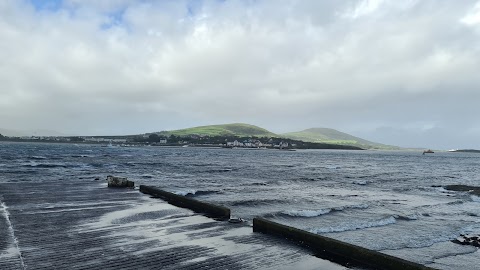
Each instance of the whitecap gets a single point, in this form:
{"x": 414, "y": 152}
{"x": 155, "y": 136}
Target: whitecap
{"x": 353, "y": 206}
{"x": 360, "y": 182}
{"x": 307, "y": 213}
{"x": 351, "y": 226}
{"x": 38, "y": 157}
{"x": 319, "y": 212}
{"x": 185, "y": 192}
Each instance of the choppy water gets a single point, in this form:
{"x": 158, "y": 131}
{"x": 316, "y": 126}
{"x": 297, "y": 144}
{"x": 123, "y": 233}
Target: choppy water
{"x": 386, "y": 201}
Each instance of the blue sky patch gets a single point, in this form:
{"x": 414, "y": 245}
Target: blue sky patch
{"x": 52, "y": 5}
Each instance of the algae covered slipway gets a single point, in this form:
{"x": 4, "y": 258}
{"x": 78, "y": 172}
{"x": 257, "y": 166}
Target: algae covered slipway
{"x": 54, "y": 212}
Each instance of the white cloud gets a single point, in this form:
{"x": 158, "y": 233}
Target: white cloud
{"x": 473, "y": 16}
{"x": 176, "y": 63}
{"x": 363, "y": 8}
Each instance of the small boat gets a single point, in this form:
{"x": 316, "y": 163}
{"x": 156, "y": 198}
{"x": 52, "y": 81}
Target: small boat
{"x": 428, "y": 152}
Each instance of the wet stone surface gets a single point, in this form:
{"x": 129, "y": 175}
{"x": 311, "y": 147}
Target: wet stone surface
{"x": 68, "y": 225}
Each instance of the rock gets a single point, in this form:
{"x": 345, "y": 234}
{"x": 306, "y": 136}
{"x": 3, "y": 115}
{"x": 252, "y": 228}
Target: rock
{"x": 97, "y": 178}
{"x": 471, "y": 189}
{"x": 235, "y": 220}
{"x": 114, "y": 181}
{"x": 472, "y": 240}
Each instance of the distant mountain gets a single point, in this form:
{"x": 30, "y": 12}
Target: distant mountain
{"x": 11, "y": 133}
{"x": 332, "y": 136}
{"x": 237, "y": 129}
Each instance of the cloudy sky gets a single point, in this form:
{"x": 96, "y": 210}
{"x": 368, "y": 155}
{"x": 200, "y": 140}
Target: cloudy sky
{"x": 398, "y": 72}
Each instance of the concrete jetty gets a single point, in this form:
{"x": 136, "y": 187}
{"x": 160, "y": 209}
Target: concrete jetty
{"x": 344, "y": 253}
{"x": 210, "y": 210}
{"x": 77, "y": 224}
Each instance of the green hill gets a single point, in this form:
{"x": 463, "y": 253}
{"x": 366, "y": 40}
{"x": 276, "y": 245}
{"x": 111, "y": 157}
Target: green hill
{"x": 316, "y": 135}
{"x": 332, "y": 136}
{"x": 237, "y": 129}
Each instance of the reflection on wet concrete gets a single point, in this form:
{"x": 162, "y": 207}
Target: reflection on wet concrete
{"x": 85, "y": 225}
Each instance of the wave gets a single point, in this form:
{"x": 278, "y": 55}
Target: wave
{"x": 37, "y": 157}
{"x": 97, "y": 165}
{"x": 202, "y": 165}
{"x": 406, "y": 217}
{"x": 219, "y": 170}
{"x": 82, "y": 156}
{"x": 306, "y": 213}
{"x": 256, "y": 202}
{"x": 475, "y": 198}
{"x": 352, "y": 226}
{"x": 45, "y": 165}
{"x": 185, "y": 192}
{"x": 360, "y": 182}
{"x": 256, "y": 184}
{"x": 319, "y": 212}
{"x": 206, "y": 192}
{"x": 193, "y": 192}
{"x": 307, "y": 179}
{"x": 27, "y": 172}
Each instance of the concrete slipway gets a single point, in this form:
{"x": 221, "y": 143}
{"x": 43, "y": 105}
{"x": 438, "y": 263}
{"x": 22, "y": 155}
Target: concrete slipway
{"x": 85, "y": 225}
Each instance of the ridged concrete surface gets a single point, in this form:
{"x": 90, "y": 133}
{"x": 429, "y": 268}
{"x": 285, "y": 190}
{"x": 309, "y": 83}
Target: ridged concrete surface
{"x": 85, "y": 225}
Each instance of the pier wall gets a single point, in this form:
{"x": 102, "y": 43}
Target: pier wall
{"x": 208, "y": 209}
{"x": 335, "y": 250}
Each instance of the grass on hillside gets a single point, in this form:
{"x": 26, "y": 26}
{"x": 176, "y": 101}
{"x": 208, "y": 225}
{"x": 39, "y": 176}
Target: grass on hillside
{"x": 332, "y": 136}
{"x": 223, "y": 130}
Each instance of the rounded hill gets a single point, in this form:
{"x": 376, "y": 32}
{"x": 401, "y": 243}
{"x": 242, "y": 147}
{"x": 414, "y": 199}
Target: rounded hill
{"x": 236, "y": 129}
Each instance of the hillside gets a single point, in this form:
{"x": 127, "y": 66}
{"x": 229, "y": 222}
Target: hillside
{"x": 9, "y": 132}
{"x": 332, "y": 136}
{"x": 237, "y": 129}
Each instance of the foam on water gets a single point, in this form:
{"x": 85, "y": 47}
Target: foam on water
{"x": 307, "y": 213}
{"x": 319, "y": 212}
{"x": 355, "y": 225}
{"x": 360, "y": 182}
{"x": 325, "y": 191}
{"x": 38, "y": 157}
{"x": 16, "y": 248}
{"x": 185, "y": 192}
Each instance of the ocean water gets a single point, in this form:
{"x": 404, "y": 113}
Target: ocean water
{"x": 392, "y": 202}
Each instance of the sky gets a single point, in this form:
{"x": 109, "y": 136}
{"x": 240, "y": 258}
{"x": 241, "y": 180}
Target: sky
{"x": 404, "y": 73}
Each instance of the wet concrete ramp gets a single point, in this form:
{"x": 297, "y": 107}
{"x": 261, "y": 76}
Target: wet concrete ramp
{"x": 85, "y": 225}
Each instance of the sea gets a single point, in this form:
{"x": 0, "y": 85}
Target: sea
{"x": 390, "y": 201}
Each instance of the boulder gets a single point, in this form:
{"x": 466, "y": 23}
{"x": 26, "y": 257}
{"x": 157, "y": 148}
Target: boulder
{"x": 472, "y": 240}
{"x": 114, "y": 181}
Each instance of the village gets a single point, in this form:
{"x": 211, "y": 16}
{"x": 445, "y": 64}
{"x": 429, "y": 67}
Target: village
{"x": 154, "y": 139}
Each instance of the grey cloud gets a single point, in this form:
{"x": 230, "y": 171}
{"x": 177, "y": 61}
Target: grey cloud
{"x": 365, "y": 67}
